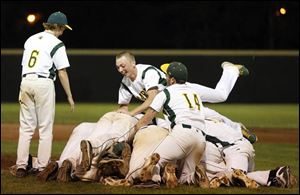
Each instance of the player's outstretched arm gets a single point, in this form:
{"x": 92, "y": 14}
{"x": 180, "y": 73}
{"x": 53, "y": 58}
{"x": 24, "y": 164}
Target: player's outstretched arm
{"x": 64, "y": 79}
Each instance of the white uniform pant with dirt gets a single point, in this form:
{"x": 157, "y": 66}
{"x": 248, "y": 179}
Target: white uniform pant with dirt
{"x": 113, "y": 126}
{"x": 240, "y": 155}
{"x": 181, "y": 143}
{"x": 72, "y": 150}
{"x": 223, "y": 88}
{"x": 37, "y": 110}
{"x": 145, "y": 142}
{"x": 220, "y": 161}
{"x": 213, "y": 161}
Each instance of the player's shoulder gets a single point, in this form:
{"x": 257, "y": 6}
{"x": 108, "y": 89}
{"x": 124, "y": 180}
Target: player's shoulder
{"x": 143, "y": 66}
{"x": 47, "y": 38}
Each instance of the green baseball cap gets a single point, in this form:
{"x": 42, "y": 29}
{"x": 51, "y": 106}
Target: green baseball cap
{"x": 175, "y": 69}
{"x": 58, "y": 18}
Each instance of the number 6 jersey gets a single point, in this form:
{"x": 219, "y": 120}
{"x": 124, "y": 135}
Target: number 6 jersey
{"x": 43, "y": 54}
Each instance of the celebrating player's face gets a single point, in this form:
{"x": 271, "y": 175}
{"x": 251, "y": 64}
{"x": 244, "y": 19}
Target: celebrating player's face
{"x": 125, "y": 66}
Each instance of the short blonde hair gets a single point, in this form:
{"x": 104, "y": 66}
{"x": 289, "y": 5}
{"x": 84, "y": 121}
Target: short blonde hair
{"x": 48, "y": 26}
{"x": 127, "y": 54}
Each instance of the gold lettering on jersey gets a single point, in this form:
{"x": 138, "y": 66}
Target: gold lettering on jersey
{"x": 143, "y": 95}
{"x": 33, "y": 58}
{"x": 196, "y": 102}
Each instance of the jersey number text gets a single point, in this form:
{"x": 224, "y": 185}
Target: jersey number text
{"x": 33, "y": 58}
{"x": 196, "y": 100}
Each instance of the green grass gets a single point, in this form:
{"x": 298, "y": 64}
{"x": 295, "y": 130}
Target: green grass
{"x": 10, "y": 184}
{"x": 10, "y": 147}
{"x": 252, "y": 115}
{"x": 268, "y": 156}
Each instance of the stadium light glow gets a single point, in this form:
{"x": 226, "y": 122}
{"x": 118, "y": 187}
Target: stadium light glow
{"x": 31, "y": 18}
{"x": 282, "y": 11}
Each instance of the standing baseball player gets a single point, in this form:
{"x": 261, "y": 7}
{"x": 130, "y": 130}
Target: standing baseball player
{"x": 43, "y": 54}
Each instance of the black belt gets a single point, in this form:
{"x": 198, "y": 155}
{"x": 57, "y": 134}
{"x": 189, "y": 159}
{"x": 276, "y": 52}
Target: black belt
{"x": 186, "y": 126}
{"x": 183, "y": 125}
{"x": 215, "y": 140}
{"x": 39, "y": 76}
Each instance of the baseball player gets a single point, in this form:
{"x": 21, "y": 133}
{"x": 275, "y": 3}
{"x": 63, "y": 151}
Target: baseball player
{"x": 183, "y": 107}
{"x": 110, "y": 127}
{"x": 229, "y": 158}
{"x": 43, "y": 54}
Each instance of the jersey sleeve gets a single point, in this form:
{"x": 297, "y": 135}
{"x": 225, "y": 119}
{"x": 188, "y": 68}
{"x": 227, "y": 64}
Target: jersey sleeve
{"x": 158, "y": 102}
{"x": 151, "y": 79}
{"x": 124, "y": 95}
{"x": 60, "y": 58}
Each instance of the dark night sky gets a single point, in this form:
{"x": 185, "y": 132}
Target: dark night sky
{"x": 162, "y": 24}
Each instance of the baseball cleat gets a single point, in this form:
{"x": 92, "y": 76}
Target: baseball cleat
{"x": 243, "y": 71}
{"x": 283, "y": 178}
{"x": 21, "y": 172}
{"x": 86, "y": 149}
{"x": 239, "y": 178}
{"x": 219, "y": 181}
{"x": 147, "y": 170}
{"x": 169, "y": 176}
{"x": 116, "y": 182}
{"x": 64, "y": 172}
{"x": 112, "y": 167}
{"x": 201, "y": 178}
{"x": 49, "y": 172}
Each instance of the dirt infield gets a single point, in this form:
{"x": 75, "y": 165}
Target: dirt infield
{"x": 62, "y": 132}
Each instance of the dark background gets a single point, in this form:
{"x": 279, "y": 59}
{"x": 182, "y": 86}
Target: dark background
{"x": 159, "y": 24}
{"x": 200, "y": 25}
{"x": 272, "y": 79}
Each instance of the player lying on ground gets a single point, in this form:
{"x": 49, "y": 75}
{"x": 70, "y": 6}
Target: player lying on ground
{"x": 111, "y": 126}
{"x": 70, "y": 158}
{"x": 229, "y": 159}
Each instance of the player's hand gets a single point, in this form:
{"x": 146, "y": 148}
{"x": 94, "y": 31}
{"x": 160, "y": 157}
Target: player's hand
{"x": 72, "y": 104}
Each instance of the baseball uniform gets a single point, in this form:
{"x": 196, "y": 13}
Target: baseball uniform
{"x": 43, "y": 54}
{"x": 183, "y": 107}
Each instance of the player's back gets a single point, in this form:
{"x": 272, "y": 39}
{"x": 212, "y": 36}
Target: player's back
{"x": 184, "y": 105}
{"x": 222, "y": 131}
{"x": 38, "y": 52}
